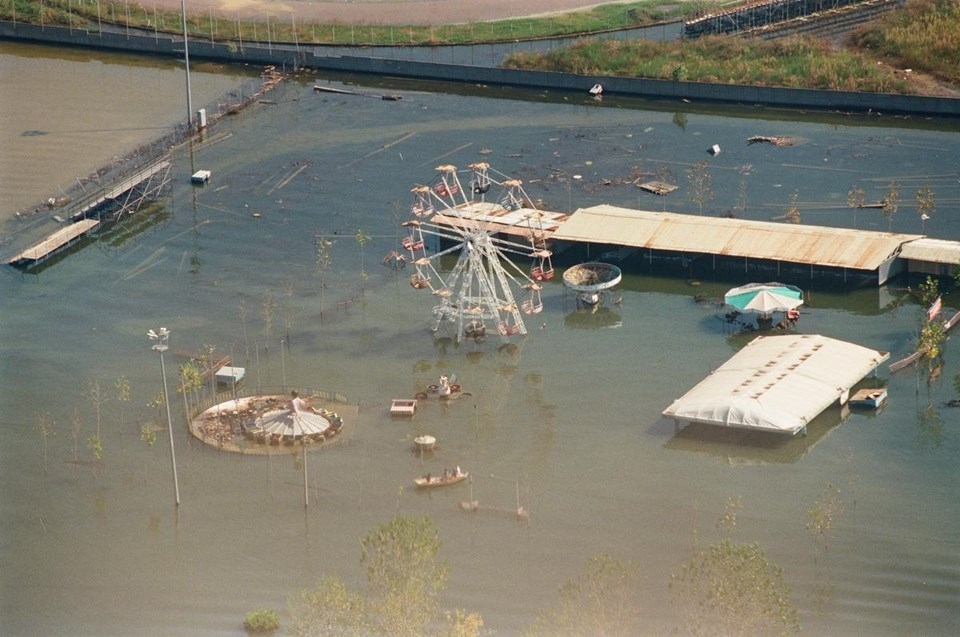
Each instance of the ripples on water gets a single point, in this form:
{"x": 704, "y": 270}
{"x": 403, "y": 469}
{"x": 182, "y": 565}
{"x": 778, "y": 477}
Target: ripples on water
{"x": 569, "y": 421}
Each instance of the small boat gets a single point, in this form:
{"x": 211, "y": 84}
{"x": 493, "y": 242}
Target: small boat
{"x": 869, "y": 398}
{"x": 430, "y": 480}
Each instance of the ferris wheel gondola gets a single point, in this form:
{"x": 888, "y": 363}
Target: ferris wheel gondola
{"x": 485, "y": 224}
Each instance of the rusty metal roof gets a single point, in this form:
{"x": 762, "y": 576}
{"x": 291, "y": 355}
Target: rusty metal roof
{"x": 819, "y": 245}
{"x": 932, "y": 251}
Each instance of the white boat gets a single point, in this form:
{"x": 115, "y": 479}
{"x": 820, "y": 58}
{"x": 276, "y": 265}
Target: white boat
{"x": 429, "y": 480}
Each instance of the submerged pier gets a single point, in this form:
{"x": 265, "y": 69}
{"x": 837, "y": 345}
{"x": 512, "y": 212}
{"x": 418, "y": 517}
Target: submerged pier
{"x": 107, "y": 203}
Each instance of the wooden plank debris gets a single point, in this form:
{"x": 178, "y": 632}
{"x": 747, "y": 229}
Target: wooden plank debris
{"x": 657, "y": 187}
{"x": 778, "y": 140}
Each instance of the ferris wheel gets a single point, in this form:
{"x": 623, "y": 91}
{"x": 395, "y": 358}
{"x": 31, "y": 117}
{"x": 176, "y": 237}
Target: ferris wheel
{"x": 484, "y": 224}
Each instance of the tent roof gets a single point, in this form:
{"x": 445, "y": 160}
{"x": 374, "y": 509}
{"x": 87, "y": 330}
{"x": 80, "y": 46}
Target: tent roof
{"x": 818, "y": 245}
{"x": 777, "y": 383}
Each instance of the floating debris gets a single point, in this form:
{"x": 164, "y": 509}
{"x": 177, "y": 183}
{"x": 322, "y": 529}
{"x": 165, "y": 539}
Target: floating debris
{"x": 780, "y": 140}
{"x": 657, "y": 187}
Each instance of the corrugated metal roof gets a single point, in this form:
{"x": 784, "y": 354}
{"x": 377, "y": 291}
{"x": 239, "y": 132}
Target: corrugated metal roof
{"x": 819, "y": 245}
{"x": 932, "y": 251}
{"x": 777, "y": 383}
{"x": 494, "y": 218}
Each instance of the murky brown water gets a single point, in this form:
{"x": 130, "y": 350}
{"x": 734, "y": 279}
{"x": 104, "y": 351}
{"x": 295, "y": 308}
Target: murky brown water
{"x": 568, "y": 423}
{"x": 70, "y": 112}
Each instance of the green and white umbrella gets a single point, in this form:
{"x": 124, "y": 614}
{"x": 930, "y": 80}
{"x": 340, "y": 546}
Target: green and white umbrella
{"x": 764, "y": 297}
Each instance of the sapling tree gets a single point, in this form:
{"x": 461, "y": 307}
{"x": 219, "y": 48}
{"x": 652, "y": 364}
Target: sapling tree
{"x": 94, "y": 445}
{"x": 191, "y": 380}
{"x": 823, "y": 516}
{"x": 157, "y": 403}
{"x": 47, "y": 427}
{"x": 793, "y": 213}
{"x": 329, "y": 608}
{"x": 242, "y": 306}
{"x": 890, "y": 203}
{"x": 926, "y": 204}
{"x": 75, "y": 425}
{"x": 324, "y": 261}
{"x": 97, "y": 397}
{"x": 732, "y": 589}
{"x": 404, "y": 577}
{"x": 855, "y": 199}
{"x": 728, "y": 520}
{"x": 701, "y": 184}
{"x": 362, "y": 239}
{"x": 122, "y": 385}
{"x": 288, "y": 310}
{"x": 268, "y": 307}
{"x": 932, "y": 334}
{"x": 603, "y": 601}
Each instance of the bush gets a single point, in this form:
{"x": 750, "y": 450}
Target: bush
{"x": 261, "y": 621}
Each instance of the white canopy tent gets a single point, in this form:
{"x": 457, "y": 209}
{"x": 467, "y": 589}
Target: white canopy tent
{"x": 777, "y": 383}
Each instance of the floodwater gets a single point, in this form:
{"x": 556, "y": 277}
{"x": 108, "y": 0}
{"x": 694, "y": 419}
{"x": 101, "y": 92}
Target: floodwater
{"x": 567, "y": 424}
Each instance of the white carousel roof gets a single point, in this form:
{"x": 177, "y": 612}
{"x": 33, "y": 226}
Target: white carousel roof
{"x": 304, "y": 423}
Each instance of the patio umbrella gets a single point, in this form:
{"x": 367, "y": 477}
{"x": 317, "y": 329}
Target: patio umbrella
{"x": 764, "y": 297}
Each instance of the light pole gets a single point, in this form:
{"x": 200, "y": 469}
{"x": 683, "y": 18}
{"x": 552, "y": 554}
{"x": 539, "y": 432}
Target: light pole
{"x": 186, "y": 59}
{"x": 160, "y": 345}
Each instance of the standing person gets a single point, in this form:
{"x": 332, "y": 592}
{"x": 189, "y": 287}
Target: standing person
{"x": 297, "y": 404}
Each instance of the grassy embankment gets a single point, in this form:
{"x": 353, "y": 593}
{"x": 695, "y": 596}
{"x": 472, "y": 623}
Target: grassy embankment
{"x": 87, "y": 14}
{"x": 923, "y": 36}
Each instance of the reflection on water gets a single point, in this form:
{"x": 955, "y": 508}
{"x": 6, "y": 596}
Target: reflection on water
{"x": 570, "y": 420}
{"x": 742, "y": 446}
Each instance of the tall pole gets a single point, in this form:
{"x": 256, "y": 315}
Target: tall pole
{"x": 306, "y": 487}
{"x": 186, "y": 59}
{"x": 283, "y": 366}
{"x": 161, "y": 346}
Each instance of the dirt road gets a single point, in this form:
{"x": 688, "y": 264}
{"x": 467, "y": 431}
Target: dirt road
{"x": 416, "y": 12}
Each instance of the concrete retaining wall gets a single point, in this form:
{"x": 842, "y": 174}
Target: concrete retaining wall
{"x": 409, "y": 62}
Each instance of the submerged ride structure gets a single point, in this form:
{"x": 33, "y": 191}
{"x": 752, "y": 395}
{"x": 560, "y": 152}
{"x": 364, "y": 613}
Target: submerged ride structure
{"x": 592, "y": 281}
{"x": 485, "y": 224}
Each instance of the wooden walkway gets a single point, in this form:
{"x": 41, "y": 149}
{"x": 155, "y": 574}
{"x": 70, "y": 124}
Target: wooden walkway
{"x": 112, "y": 194}
{"x": 57, "y": 241}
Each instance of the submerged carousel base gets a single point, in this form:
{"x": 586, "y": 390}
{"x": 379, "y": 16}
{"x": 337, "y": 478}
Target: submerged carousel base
{"x": 264, "y": 425}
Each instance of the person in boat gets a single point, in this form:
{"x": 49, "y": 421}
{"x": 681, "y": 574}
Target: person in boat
{"x": 446, "y": 475}
{"x": 457, "y": 472}
{"x": 793, "y": 315}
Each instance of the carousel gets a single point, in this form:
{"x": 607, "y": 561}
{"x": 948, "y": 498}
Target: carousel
{"x": 255, "y": 424}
